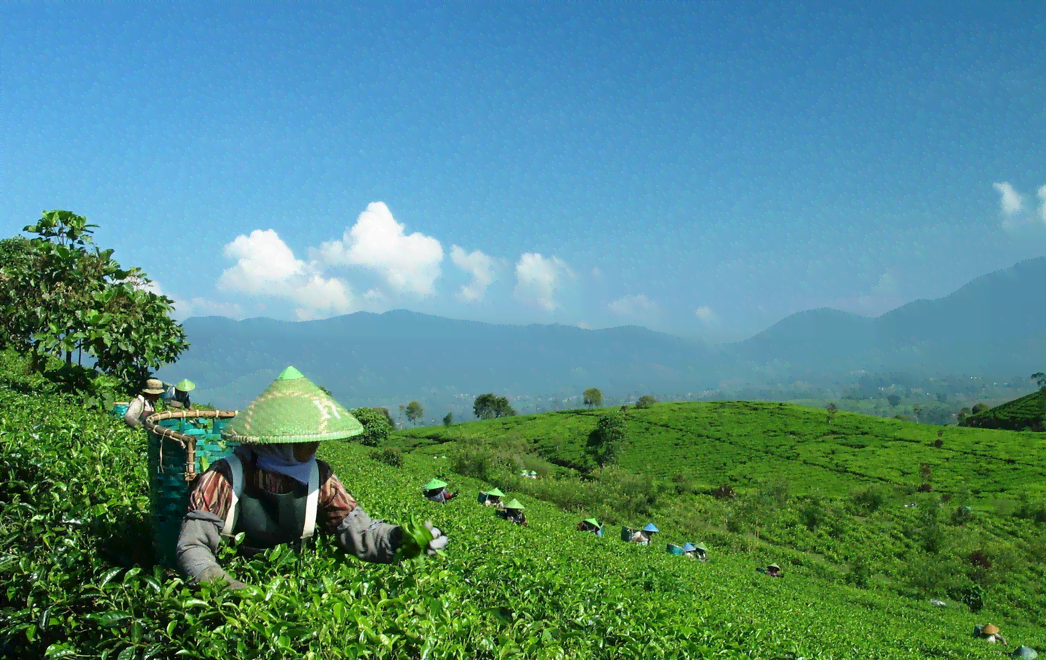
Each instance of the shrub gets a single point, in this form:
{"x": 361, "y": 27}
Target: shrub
{"x": 389, "y": 456}
{"x": 724, "y": 492}
{"x": 870, "y": 499}
{"x": 376, "y": 428}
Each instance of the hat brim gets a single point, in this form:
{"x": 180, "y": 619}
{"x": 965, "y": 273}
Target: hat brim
{"x": 151, "y": 391}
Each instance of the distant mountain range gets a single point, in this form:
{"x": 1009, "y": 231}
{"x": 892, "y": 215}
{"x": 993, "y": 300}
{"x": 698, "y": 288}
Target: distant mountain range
{"x": 996, "y": 323}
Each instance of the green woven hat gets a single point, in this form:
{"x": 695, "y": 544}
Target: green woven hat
{"x": 434, "y": 484}
{"x": 592, "y": 521}
{"x": 701, "y": 547}
{"x": 514, "y": 504}
{"x": 185, "y": 386}
{"x": 774, "y": 566}
{"x": 291, "y": 409}
{"x": 495, "y": 493}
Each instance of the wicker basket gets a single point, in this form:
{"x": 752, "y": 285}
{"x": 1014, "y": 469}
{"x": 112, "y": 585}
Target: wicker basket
{"x": 178, "y": 454}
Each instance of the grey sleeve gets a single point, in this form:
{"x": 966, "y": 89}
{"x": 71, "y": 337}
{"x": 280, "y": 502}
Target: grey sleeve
{"x": 134, "y": 411}
{"x": 198, "y": 545}
{"x": 369, "y": 540}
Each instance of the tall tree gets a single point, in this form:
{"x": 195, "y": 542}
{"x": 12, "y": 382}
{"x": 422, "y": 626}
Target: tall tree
{"x": 448, "y": 419}
{"x": 376, "y": 428}
{"x": 645, "y": 401}
{"x": 489, "y": 406}
{"x": 414, "y": 412}
{"x": 1040, "y": 379}
{"x": 593, "y": 398}
{"x": 831, "y": 409}
{"x": 611, "y": 434}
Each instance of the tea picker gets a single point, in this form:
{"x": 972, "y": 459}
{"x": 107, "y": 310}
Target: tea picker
{"x": 274, "y": 490}
{"x": 436, "y": 491}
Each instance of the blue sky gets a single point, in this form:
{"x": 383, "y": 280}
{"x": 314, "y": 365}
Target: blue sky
{"x": 699, "y": 169}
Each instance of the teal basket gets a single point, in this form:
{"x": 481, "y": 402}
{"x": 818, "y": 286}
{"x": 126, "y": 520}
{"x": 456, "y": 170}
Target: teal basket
{"x": 674, "y": 549}
{"x": 172, "y": 473}
{"x": 119, "y": 409}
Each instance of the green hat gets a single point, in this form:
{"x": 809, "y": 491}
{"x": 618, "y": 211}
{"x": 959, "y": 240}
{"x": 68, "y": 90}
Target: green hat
{"x": 434, "y": 484}
{"x": 514, "y": 504}
{"x": 1025, "y": 652}
{"x": 592, "y": 521}
{"x": 702, "y": 548}
{"x": 291, "y": 409}
{"x": 774, "y": 566}
{"x": 185, "y": 386}
{"x": 495, "y": 493}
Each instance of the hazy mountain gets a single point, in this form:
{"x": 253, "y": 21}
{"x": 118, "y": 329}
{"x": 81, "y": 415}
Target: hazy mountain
{"x": 995, "y": 323}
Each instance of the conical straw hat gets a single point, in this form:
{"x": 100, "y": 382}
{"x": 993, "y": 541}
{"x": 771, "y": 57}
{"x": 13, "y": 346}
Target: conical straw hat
{"x": 514, "y": 504}
{"x": 291, "y": 409}
{"x": 495, "y": 493}
{"x": 185, "y": 385}
{"x": 434, "y": 484}
{"x": 592, "y": 521}
{"x": 990, "y": 629}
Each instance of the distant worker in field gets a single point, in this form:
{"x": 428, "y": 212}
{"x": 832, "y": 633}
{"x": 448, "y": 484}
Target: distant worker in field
{"x": 436, "y": 491}
{"x": 643, "y": 536}
{"x": 990, "y": 633}
{"x": 144, "y": 404}
{"x": 275, "y": 491}
{"x": 513, "y": 512}
{"x": 699, "y": 551}
{"x": 177, "y": 396}
{"x": 492, "y": 498}
{"x": 590, "y": 525}
{"x": 773, "y": 570}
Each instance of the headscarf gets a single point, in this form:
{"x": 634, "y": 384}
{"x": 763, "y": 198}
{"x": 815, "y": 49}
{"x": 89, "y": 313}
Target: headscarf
{"x": 280, "y": 458}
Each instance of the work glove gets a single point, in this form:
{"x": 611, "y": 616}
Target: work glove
{"x": 215, "y": 572}
{"x": 438, "y": 542}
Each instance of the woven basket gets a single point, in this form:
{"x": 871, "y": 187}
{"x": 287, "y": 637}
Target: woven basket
{"x": 119, "y": 408}
{"x": 178, "y": 454}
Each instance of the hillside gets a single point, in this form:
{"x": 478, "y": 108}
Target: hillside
{"x": 1023, "y": 414}
{"x": 80, "y": 580}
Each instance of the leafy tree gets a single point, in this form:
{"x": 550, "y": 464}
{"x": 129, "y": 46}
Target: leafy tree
{"x": 388, "y": 416}
{"x": 69, "y": 298}
{"x": 376, "y": 428}
{"x": 593, "y": 398}
{"x": 963, "y": 414}
{"x": 611, "y": 434}
{"x": 414, "y": 412}
{"x": 832, "y": 409}
{"x": 448, "y": 419}
{"x": 645, "y": 401}
{"x": 894, "y": 400}
{"x": 489, "y": 406}
{"x": 1040, "y": 379}
{"x": 917, "y": 410}
{"x": 979, "y": 408}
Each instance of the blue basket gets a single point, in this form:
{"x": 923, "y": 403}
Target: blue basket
{"x": 168, "y": 487}
{"x": 119, "y": 409}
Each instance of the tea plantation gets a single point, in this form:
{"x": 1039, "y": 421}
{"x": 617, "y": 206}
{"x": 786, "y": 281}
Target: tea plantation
{"x": 77, "y": 580}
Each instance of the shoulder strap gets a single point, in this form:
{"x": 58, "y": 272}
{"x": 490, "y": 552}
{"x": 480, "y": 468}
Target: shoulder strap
{"x": 237, "y": 490}
{"x": 313, "y": 502}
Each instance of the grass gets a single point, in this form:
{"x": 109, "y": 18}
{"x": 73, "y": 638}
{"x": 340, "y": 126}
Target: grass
{"x": 1025, "y": 413}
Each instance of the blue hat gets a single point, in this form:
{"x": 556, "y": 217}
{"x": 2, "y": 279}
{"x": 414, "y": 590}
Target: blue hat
{"x": 650, "y": 528}
{"x": 689, "y": 547}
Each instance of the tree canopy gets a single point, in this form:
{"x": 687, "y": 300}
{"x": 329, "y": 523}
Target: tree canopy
{"x": 645, "y": 401}
{"x": 414, "y": 412}
{"x": 489, "y": 406}
{"x": 593, "y": 398}
{"x": 610, "y": 437}
{"x": 376, "y": 428}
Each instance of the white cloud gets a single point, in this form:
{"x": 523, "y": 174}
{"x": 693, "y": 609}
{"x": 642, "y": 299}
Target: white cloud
{"x": 538, "y": 279}
{"x": 265, "y": 266}
{"x": 482, "y": 268}
{"x": 204, "y": 307}
{"x": 408, "y": 263}
{"x": 1010, "y": 200}
{"x": 638, "y": 305}
{"x": 1042, "y": 207}
{"x": 596, "y": 273}
{"x": 583, "y": 325}
{"x": 706, "y": 315}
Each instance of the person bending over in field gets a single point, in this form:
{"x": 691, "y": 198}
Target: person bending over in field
{"x": 436, "y": 491}
{"x": 643, "y": 536}
{"x": 493, "y": 498}
{"x": 513, "y": 512}
{"x": 144, "y": 404}
{"x": 773, "y": 570}
{"x": 275, "y": 491}
{"x": 177, "y": 396}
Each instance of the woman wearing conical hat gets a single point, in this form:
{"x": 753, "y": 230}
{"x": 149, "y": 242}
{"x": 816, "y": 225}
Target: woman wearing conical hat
{"x": 144, "y": 404}
{"x": 991, "y": 634}
{"x": 177, "y": 396}
{"x": 275, "y": 491}
{"x": 436, "y": 491}
{"x": 513, "y": 512}
{"x": 493, "y": 498}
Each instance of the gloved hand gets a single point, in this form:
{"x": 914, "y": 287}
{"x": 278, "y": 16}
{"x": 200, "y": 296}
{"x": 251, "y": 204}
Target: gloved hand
{"x": 215, "y": 572}
{"x": 438, "y": 542}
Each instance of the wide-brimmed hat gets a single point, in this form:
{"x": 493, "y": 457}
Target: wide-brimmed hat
{"x": 514, "y": 504}
{"x": 153, "y": 386}
{"x": 185, "y": 385}
{"x": 701, "y": 547}
{"x": 990, "y": 629}
{"x": 291, "y": 409}
{"x": 592, "y": 521}
{"x": 434, "y": 485}
{"x": 650, "y": 528}
{"x": 774, "y": 566}
{"x": 1024, "y": 652}
{"x": 495, "y": 493}
{"x": 689, "y": 547}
